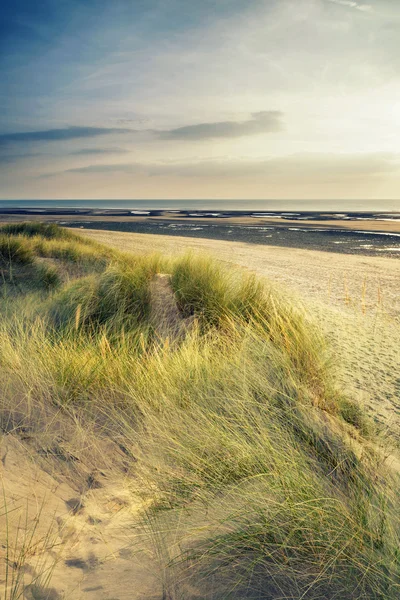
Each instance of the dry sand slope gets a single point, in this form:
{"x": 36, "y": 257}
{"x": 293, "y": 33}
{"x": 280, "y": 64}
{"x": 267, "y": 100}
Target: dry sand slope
{"x": 60, "y": 541}
{"x": 355, "y": 298}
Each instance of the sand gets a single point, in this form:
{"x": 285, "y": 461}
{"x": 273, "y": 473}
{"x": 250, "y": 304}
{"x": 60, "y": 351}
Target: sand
{"x": 75, "y": 544}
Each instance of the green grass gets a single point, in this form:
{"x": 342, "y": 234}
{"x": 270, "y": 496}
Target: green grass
{"x": 260, "y": 478}
{"x": 48, "y": 253}
{"x": 44, "y": 230}
{"x": 14, "y": 251}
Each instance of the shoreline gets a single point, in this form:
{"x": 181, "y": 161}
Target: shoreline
{"x": 332, "y": 240}
{"x": 384, "y": 221}
{"x": 367, "y": 234}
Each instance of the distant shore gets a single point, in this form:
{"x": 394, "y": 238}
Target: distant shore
{"x": 379, "y": 221}
{"x": 366, "y": 233}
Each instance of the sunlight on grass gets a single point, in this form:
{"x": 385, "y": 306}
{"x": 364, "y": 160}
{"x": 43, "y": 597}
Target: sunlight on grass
{"x": 258, "y": 476}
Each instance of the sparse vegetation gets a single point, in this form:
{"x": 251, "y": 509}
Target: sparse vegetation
{"x": 27, "y": 569}
{"x": 257, "y": 475}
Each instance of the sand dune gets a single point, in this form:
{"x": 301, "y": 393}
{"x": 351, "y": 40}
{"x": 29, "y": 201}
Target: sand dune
{"x": 91, "y": 530}
{"x": 355, "y": 298}
{"x": 372, "y": 282}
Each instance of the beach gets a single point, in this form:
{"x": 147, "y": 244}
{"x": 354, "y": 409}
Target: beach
{"x": 337, "y": 279}
{"x": 363, "y": 233}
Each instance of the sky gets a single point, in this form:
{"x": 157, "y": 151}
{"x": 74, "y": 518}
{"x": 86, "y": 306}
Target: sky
{"x": 282, "y": 99}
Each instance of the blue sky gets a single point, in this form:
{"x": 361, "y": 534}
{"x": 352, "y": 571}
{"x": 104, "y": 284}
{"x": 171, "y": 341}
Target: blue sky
{"x": 185, "y": 99}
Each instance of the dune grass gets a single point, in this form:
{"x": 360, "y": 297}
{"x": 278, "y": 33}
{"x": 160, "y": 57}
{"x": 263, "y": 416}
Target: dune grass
{"x": 48, "y": 231}
{"x": 18, "y": 580}
{"x": 14, "y": 250}
{"x": 260, "y": 478}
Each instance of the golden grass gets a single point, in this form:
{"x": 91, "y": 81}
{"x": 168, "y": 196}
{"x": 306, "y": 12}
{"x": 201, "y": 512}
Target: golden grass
{"x": 237, "y": 433}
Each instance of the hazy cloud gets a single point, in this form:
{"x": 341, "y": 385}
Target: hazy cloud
{"x": 352, "y": 4}
{"x": 260, "y": 122}
{"x": 183, "y": 79}
{"x": 65, "y": 134}
{"x": 322, "y": 167}
{"x": 116, "y": 168}
{"x": 86, "y": 151}
{"x": 10, "y": 158}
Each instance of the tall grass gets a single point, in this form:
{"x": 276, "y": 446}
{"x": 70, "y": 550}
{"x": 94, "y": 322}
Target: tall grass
{"x": 19, "y": 265}
{"x": 14, "y": 250}
{"x": 258, "y": 476}
{"x": 44, "y": 230}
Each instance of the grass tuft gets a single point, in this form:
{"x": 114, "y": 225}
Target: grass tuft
{"x": 44, "y": 230}
{"x": 14, "y": 251}
{"x": 353, "y": 414}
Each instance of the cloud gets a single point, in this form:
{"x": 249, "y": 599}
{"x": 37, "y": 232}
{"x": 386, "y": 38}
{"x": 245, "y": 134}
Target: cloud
{"x": 65, "y": 134}
{"x": 7, "y": 157}
{"x": 10, "y": 158}
{"x": 115, "y": 168}
{"x": 260, "y": 122}
{"x": 86, "y": 151}
{"x": 296, "y": 167}
{"x": 352, "y": 4}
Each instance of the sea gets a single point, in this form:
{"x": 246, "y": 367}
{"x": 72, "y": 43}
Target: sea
{"x": 214, "y": 204}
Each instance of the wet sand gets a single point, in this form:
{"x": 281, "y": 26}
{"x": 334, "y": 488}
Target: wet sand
{"x": 388, "y": 225}
{"x": 347, "y": 233}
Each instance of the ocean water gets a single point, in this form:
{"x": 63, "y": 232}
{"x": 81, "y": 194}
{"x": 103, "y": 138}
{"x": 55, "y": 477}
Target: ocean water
{"x": 212, "y": 205}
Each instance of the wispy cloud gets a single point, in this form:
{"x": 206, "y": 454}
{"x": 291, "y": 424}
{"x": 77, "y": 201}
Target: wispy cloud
{"x": 113, "y": 168}
{"x": 297, "y": 166}
{"x": 260, "y": 122}
{"x": 65, "y": 134}
{"x": 88, "y": 151}
{"x": 185, "y": 79}
{"x": 10, "y": 158}
{"x": 353, "y": 4}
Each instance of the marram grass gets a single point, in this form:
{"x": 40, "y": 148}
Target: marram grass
{"x": 260, "y": 479}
